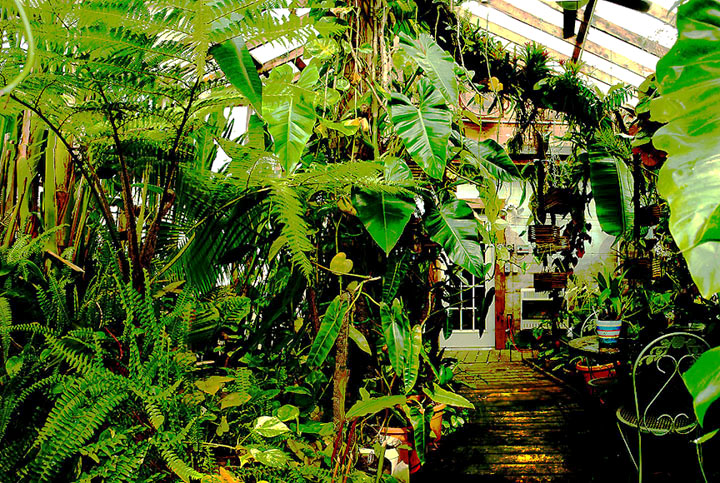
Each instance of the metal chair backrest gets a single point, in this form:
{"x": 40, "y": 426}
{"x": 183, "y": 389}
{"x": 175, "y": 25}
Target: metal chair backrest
{"x": 588, "y": 326}
{"x": 665, "y": 405}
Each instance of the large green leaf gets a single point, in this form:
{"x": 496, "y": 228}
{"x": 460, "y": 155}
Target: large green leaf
{"x": 237, "y": 64}
{"x": 291, "y": 124}
{"x": 413, "y": 346}
{"x": 689, "y": 84}
{"x": 419, "y": 421}
{"x": 437, "y": 64}
{"x": 385, "y": 216}
{"x": 489, "y": 156}
{"x": 453, "y": 226}
{"x": 703, "y": 382}
{"x": 424, "y": 129}
{"x": 612, "y": 189}
{"x": 442, "y": 396}
{"x": 328, "y": 332}
{"x": 396, "y": 327}
{"x": 373, "y": 405}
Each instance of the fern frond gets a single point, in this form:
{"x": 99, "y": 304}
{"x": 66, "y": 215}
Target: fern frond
{"x": 289, "y": 211}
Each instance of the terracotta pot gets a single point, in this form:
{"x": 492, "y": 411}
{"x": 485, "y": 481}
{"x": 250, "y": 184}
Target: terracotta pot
{"x": 600, "y": 372}
{"x": 436, "y": 421}
{"x": 404, "y": 436}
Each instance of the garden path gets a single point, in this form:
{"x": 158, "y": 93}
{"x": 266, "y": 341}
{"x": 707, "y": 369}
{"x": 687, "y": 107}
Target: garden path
{"x": 527, "y": 427}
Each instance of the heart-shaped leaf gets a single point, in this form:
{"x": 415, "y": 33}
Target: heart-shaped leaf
{"x": 212, "y": 384}
{"x": 341, "y": 264}
{"x": 424, "y": 129}
{"x": 234, "y": 399}
{"x": 269, "y": 426}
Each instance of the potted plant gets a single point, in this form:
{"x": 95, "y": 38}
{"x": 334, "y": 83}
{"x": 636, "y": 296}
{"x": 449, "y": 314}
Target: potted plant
{"x": 614, "y": 305}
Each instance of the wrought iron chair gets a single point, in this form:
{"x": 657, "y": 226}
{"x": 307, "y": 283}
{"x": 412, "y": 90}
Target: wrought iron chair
{"x": 662, "y": 404}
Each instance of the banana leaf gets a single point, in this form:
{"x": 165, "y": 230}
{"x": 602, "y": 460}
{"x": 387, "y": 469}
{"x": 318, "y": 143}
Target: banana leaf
{"x": 612, "y": 189}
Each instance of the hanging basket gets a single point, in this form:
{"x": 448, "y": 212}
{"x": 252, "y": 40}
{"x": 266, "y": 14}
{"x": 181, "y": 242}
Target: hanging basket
{"x": 645, "y": 268}
{"x": 558, "y": 201}
{"x": 547, "y": 238}
{"x": 649, "y": 215}
{"x": 544, "y": 282}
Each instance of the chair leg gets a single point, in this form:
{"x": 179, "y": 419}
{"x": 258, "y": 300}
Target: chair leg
{"x": 627, "y": 445}
{"x": 698, "y": 448}
{"x": 640, "y": 458}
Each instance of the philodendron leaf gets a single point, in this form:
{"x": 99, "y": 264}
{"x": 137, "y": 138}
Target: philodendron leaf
{"x": 234, "y": 399}
{"x": 212, "y": 384}
{"x": 274, "y": 458}
{"x": 489, "y": 156}
{"x": 437, "y": 64}
{"x": 413, "y": 346}
{"x": 688, "y": 78}
{"x": 453, "y": 226}
{"x": 443, "y": 396}
{"x": 384, "y": 215}
{"x": 291, "y": 124}
{"x": 612, "y": 189}
{"x": 424, "y": 129}
{"x": 237, "y": 64}
{"x": 373, "y": 405}
{"x": 328, "y": 332}
{"x": 269, "y": 426}
{"x": 703, "y": 382}
{"x": 420, "y": 422}
{"x": 395, "y": 328}
{"x": 340, "y": 263}
{"x": 360, "y": 340}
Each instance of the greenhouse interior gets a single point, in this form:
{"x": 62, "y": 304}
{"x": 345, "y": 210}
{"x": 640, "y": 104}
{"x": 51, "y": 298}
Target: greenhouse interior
{"x": 374, "y": 241}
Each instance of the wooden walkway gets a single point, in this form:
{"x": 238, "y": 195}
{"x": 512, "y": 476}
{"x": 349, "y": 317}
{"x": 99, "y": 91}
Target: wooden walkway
{"x": 526, "y": 427}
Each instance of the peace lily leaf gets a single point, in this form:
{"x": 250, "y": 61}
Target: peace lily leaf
{"x": 435, "y": 62}
{"x": 453, "y": 226}
{"x": 212, "y": 384}
{"x": 442, "y": 396}
{"x": 373, "y": 405}
{"x": 269, "y": 426}
{"x": 291, "y": 124}
{"x": 341, "y": 264}
{"x": 385, "y": 216}
{"x": 360, "y": 340}
{"x": 424, "y": 129}
{"x": 395, "y": 328}
{"x": 237, "y": 64}
{"x": 703, "y": 382}
{"x": 412, "y": 358}
{"x": 612, "y": 189}
{"x": 328, "y": 332}
{"x": 234, "y": 399}
{"x": 287, "y": 412}
{"x": 491, "y": 157}
{"x": 688, "y": 78}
